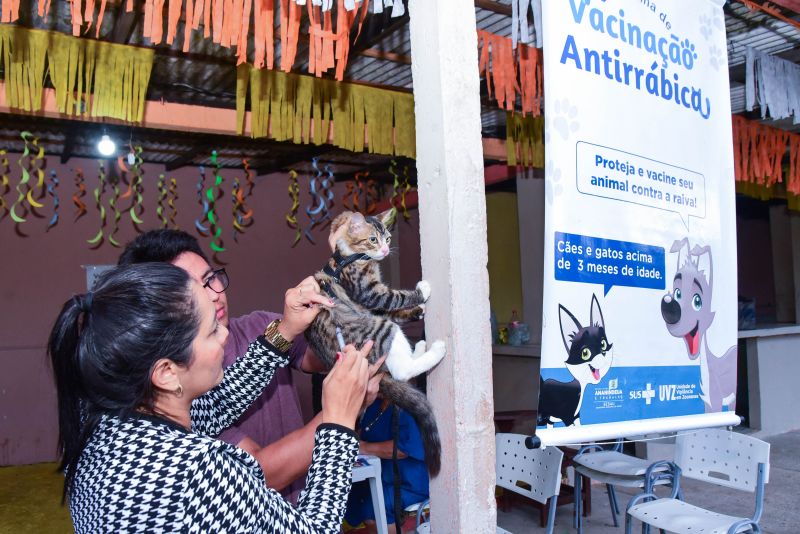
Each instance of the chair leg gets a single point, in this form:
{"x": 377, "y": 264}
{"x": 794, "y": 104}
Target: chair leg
{"x": 551, "y": 515}
{"x": 612, "y": 504}
{"x": 614, "y": 494}
{"x": 578, "y": 504}
{"x": 628, "y": 523}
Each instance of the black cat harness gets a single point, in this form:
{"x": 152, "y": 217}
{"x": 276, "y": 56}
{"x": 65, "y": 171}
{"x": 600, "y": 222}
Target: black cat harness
{"x": 339, "y": 263}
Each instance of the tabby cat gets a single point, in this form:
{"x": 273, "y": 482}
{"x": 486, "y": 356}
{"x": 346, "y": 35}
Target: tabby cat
{"x": 367, "y": 309}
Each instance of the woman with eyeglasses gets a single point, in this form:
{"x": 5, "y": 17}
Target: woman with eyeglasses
{"x": 141, "y": 390}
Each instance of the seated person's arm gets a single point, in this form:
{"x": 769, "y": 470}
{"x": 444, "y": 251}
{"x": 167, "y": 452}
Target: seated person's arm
{"x": 381, "y": 449}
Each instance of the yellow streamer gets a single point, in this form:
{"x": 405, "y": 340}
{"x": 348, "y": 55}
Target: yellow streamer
{"x": 173, "y": 196}
{"x": 22, "y": 186}
{"x": 283, "y": 106}
{"x": 98, "y": 196}
{"x": 90, "y": 77}
{"x": 112, "y": 203}
{"x": 38, "y": 168}
{"x": 162, "y": 194}
{"x": 291, "y": 217}
{"x": 525, "y": 135}
{"x": 4, "y": 182}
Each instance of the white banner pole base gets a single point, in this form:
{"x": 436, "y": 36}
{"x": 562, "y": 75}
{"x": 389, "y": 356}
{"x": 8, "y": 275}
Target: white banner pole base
{"x": 576, "y": 435}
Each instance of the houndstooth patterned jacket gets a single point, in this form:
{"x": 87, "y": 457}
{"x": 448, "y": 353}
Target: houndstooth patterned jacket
{"x": 147, "y": 474}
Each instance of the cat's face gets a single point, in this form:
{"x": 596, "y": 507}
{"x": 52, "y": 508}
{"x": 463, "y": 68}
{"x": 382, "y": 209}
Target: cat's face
{"x": 366, "y": 235}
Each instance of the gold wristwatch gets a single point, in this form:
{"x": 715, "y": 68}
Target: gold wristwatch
{"x": 274, "y": 336}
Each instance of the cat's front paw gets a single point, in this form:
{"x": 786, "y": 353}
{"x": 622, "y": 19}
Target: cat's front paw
{"x": 424, "y": 288}
{"x": 439, "y": 349}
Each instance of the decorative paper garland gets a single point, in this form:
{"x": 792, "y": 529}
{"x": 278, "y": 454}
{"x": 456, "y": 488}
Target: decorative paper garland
{"x": 201, "y": 184}
{"x": 173, "y": 196}
{"x": 4, "y": 183}
{"x": 112, "y": 204}
{"x": 51, "y": 189}
{"x": 162, "y": 194}
{"x": 98, "y": 195}
{"x": 137, "y": 207}
{"x": 89, "y": 77}
{"x": 284, "y": 106}
{"x": 23, "y": 186}
{"x": 291, "y": 217}
{"x": 216, "y": 231}
{"x": 37, "y": 164}
{"x": 76, "y": 197}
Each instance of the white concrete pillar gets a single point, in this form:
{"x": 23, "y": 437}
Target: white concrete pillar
{"x": 452, "y": 208}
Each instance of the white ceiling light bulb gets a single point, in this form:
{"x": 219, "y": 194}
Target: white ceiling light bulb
{"x": 106, "y": 146}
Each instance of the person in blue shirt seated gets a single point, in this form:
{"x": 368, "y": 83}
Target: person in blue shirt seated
{"x": 376, "y": 439}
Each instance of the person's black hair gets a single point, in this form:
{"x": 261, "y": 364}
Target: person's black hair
{"x": 105, "y": 343}
{"x": 160, "y": 245}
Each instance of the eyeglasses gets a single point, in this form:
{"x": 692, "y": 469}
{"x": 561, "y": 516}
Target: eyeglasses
{"x": 218, "y": 281}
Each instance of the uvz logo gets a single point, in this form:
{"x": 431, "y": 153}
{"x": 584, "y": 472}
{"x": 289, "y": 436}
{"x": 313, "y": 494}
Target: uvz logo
{"x": 667, "y": 392}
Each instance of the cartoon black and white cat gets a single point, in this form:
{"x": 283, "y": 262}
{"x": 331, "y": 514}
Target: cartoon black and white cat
{"x": 589, "y": 358}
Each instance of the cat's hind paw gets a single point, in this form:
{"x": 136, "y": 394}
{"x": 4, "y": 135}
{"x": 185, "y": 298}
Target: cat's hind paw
{"x": 424, "y": 288}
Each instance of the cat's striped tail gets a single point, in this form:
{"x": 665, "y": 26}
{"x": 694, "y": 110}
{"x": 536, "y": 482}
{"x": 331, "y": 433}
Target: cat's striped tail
{"x": 417, "y": 405}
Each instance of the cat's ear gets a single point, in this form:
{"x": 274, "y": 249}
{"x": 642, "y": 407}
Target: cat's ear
{"x": 387, "y": 217}
{"x": 341, "y": 219}
{"x": 569, "y": 326}
{"x": 357, "y": 222}
{"x": 595, "y": 314}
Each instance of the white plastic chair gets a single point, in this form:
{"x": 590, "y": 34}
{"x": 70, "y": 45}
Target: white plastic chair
{"x": 611, "y": 467}
{"x": 717, "y": 456}
{"x": 539, "y": 469}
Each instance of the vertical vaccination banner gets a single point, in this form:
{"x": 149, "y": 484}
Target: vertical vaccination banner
{"x": 640, "y": 302}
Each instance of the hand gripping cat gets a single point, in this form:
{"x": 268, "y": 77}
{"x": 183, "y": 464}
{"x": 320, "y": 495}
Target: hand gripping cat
{"x": 367, "y": 309}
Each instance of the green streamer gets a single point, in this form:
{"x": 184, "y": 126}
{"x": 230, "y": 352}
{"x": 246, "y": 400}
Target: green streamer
{"x": 216, "y": 231}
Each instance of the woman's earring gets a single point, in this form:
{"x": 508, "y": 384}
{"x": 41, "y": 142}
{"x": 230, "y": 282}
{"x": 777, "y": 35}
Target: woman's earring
{"x": 179, "y": 391}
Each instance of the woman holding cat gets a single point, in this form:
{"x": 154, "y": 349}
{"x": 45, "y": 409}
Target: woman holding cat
{"x": 138, "y": 369}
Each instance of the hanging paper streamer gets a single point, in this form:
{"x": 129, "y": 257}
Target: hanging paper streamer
{"x": 137, "y": 207}
{"x": 37, "y": 164}
{"x": 317, "y": 210}
{"x": 248, "y": 176}
{"x": 326, "y": 192}
{"x": 405, "y": 187}
{"x": 98, "y": 199}
{"x": 394, "y": 196}
{"x": 198, "y": 223}
{"x": 112, "y": 204}
{"x": 372, "y": 197}
{"x": 51, "y": 188}
{"x": 242, "y": 215}
{"x": 216, "y": 231}
{"x": 162, "y": 194}
{"x": 22, "y": 186}
{"x": 350, "y": 198}
{"x": 291, "y": 217}
{"x": 4, "y": 187}
{"x": 173, "y": 196}
{"x": 76, "y": 197}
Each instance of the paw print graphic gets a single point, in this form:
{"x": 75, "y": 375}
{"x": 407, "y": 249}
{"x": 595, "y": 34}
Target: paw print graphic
{"x": 564, "y": 122}
{"x": 716, "y": 57}
{"x": 553, "y": 188}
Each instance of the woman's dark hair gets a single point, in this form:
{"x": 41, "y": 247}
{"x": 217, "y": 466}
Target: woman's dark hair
{"x": 105, "y": 343}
